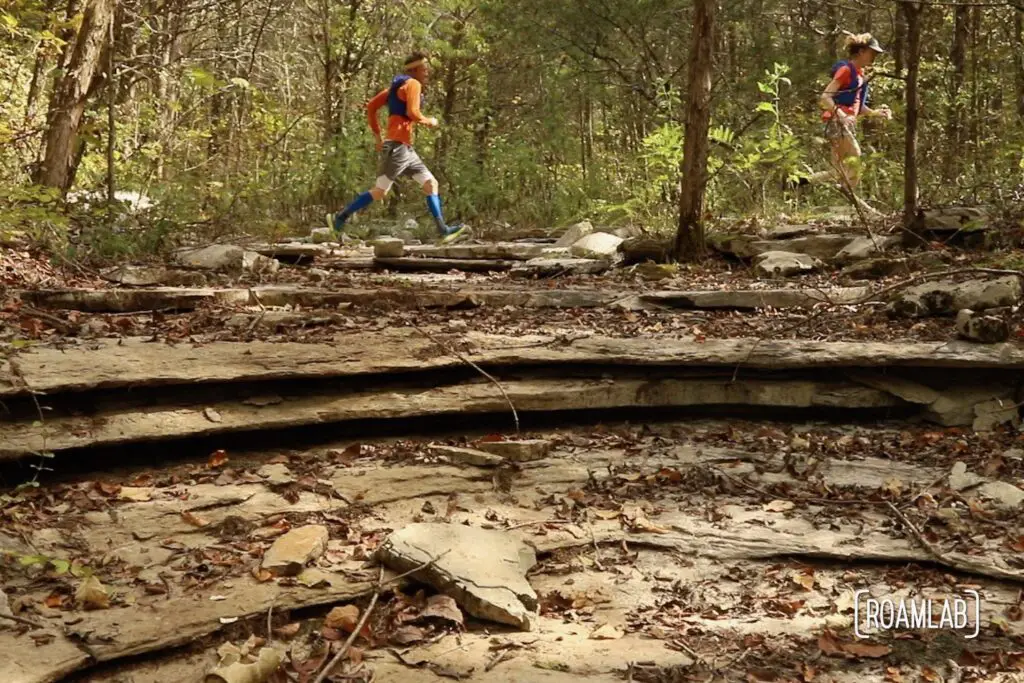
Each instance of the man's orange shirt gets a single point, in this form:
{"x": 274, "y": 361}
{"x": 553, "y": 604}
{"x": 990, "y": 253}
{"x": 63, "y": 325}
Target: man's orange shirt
{"x": 400, "y": 128}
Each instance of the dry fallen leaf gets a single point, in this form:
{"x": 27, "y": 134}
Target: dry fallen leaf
{"x": 844, "y": 603}
{"x": 217, "y": 459}
{"x": 404, "y": 635}
{"x": 893, "y": 675}
{"x": 288, "y": 630}
{"x": 606, "y": 632}
{"x": 345, "y": 618}
{"x": 92, "y": 594}
{"x": 442, "y": 607}
{"x": 862, "y": 649}
{"x": 193, "y": 519}
{"x": 261, "y": 575}
{"x": 803, "y": 579}
{"x": 636, "y": 519}
{"x": 136, "y": 493}
{"x": 779, "y": 506}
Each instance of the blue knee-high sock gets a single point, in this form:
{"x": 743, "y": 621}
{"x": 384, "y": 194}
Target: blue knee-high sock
{"x": 358, "y": 204}
{"x": 434, "y": 205}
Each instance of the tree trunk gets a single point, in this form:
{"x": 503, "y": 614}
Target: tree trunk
{"x": 1018, "y": 57}
{"x": 958, "y": 56}
{"x": 899, "y": 41}
{"x": 690, "y": 244}
{"x": 70, "y": 94}
{"x": 912, "y": 10}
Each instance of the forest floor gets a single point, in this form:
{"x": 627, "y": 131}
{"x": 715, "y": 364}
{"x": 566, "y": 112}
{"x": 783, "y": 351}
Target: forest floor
{"x": 710, "y": 466}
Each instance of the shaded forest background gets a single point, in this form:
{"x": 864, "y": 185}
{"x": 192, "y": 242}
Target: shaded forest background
{"x": 235, "y": 115}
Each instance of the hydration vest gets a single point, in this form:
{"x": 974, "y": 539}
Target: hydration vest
{"x": 396, "y": 107}
{"x": 847, "y": 97}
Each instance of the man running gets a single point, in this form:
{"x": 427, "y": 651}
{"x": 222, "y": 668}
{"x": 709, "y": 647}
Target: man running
{"x": 398, "y": 158}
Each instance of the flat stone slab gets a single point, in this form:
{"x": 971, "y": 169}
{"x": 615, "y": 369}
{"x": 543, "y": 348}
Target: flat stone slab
{"x": 549, "y": 267}
{"x": 498, "y": 250}
{"x": 946, "y": 297}
{"x": 743, "y": 299}
{"x": 824, "y": 247}
{"x": 468, "y": 456}
{"x": 483, "y": 570}
{"x": 521, "y": 450}
{"x": 148, "y": 276}
{"x": 435, "y": 264}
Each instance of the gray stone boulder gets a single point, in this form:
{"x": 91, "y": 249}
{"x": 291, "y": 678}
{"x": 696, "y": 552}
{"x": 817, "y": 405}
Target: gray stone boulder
{"x": 785, "y": 264}
{"x": 574, "y": 234}
{"x": 227, "y": 258}
{"x": 884, "y": 266}
{"x": 864, "y": 248}
{"x": 484, "y": 570}
{"x": 823, "y": 247}
{"x": 946, "y": 297}
{"x": 597, "y": 245}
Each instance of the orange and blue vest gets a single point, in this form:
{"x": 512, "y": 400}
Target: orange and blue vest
{"x": 396, "y": 106}
{"x": 847, "y": 97}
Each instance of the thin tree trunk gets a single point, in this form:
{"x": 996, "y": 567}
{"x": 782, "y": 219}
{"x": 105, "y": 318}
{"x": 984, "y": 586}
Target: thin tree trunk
{"x": 899, "y": 41}
{"x": 111, "y": 125}
{"x": 690, "y": 243}
{"x": 1018, "y": 57}
{"x": 958, "y": 56}
{"x": 912, "y": 10}
{"x": 70, "y": 94}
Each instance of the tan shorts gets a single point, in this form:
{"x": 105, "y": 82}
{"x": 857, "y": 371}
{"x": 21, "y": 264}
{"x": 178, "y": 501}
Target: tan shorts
{"x": 836, "y": 129}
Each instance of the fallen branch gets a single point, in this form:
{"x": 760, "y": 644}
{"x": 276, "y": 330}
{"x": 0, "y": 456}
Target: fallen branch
{"x": 355, "y": 632}
{"x": 20, "y": 620}
{"x": 61, "y": 326}
{"x": 381, "y": 584}
{"x": 453, "y": 352}
{"x": 944, "y": 559}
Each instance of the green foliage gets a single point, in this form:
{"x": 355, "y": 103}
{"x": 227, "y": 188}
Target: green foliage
{"x": 550, "y": 112}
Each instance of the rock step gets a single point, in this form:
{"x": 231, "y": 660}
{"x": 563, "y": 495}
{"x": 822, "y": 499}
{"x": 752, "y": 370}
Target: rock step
{"x": 180, "y": 299}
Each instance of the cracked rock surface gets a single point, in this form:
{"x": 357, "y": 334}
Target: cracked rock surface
{"x": 482, "y": 569}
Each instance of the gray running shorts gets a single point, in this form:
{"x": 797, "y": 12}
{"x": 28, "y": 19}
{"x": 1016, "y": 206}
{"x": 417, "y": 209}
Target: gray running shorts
{"x": 397, "y": 160}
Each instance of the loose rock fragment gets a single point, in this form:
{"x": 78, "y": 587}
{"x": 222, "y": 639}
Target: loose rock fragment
{"x": 987, "y": 329}
{"x": 388, "y": 247}
{"x": 483, "y": 570}
{"x": 291, "y": 552}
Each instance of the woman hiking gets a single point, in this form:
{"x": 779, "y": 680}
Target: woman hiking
{"x": 844, "y": 100}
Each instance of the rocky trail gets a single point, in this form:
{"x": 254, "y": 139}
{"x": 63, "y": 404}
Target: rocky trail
{"x": 544, "y": 460}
